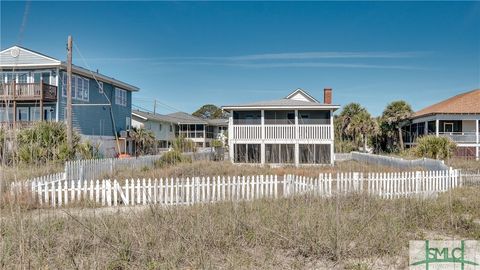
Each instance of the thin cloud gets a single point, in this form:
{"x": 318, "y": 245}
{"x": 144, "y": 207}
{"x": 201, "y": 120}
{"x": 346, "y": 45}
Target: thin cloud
{"x": 297, "y": 65}
{"x": 280, "y": 60}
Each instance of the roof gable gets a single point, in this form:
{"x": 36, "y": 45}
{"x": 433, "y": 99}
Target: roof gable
{"x": 465, "y": 103}
{"x": 17, "y": 57}
{"x": 301, "y": 95}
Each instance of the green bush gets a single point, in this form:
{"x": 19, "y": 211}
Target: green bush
{"x": 434, "y": 147}
{"x": 45, "y": 142}
{"x": 172, "y": 158}
{"x": 217, "y": 143}
{"x": 181, "y": 144}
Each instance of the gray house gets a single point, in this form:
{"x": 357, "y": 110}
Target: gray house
{"x": 295, "y": 130}
{"x": 168, "y": 127}
{"x": 33, "y": 88}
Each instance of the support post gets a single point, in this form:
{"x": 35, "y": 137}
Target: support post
{"x": 477, "y": 135}
{"x": 230, "y": 136}
{"x": 425, "y": 131}
{"x": 332, "y": 138}
{"x": 69, "y": 93}
{"x": 262, "y": 145}
{"x": 437, "y": 127}
{"x": 297, "y": 147}
{"x": 41, "y": 101}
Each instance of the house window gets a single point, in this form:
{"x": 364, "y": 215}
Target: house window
{"x": 127, "y": 123}
{"x": 171, "y": 128}
{"x": 22, "y": 114}
{"x": 80, "y": 87}
{"x": 120, "y": 97}
{"x": 100, "y": 87}
{"x": 160, "y": 127}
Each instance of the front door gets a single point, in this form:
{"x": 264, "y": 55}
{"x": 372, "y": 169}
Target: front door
{"x": 448, "y": 127}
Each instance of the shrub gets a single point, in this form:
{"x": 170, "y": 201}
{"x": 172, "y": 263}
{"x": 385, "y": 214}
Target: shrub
{"x": 181, "y": 144}
{"x": 42, "y": 143}
{"x": 434, "y": 147}
{"x": 45, "y": 141}
{"x": 172, "y": 158}
{"x": 217, "y": 143}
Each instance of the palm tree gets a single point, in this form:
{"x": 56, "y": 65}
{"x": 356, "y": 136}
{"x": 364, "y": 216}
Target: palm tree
{"x": 345, "y": 119}
{"x": 355, "y": 124}
{"x": 394, "y": 114}
{"x": 363, "y": 124}
{"x": 144, "y": 141}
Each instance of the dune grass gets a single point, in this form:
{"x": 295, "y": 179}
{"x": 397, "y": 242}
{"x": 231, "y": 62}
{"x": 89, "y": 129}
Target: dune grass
{"x": 352, "y": 232}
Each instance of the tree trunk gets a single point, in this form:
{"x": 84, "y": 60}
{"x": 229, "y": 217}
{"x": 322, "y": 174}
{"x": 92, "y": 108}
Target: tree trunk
{"x": 364, "y": 143}
{"x": 400, "y": 137}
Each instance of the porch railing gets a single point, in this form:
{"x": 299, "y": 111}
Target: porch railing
{"x": 28, "y": 91}
{"x": 461, "y": 137}
{"x": 282, "y": 132}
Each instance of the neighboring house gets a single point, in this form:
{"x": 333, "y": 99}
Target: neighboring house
{"x": 457, "y": 118}
{"x": 162, "y": 126}
{"x": 297, "y": 130}
{"x": 168, "y": 127}
{"x": 33, "y": 88}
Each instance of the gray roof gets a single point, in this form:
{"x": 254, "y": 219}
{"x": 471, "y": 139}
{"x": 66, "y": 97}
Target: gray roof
{"x": 280, "y": 103}
{"x": 218, "y": 122}
{"x": 180, "y": 118}
{"x": 185, "y": 118}
{"x": 155, "y": 117}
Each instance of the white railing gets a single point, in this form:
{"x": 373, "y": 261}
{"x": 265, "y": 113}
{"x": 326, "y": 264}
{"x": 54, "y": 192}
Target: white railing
{"x": 247, "y": 132}
{"x": 461, "y": 137}
{"x": 282, "y": 132}
{"x": 186, "y": 191}
{"x": 100, "y": 168}
{"x": 314, "y": 132}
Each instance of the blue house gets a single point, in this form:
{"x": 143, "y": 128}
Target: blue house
{"x": 33, "y": 88}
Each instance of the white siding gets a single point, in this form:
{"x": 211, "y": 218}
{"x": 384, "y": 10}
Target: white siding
{"x": 25, "y": 58}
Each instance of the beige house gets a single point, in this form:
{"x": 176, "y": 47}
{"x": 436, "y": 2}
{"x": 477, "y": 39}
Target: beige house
{"x": 170, "y": 126}
{"x": 457, "y": 118}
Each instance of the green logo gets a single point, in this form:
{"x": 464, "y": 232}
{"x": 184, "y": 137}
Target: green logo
{"x": 436, "y": 255}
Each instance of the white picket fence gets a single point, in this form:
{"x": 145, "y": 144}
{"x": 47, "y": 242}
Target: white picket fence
{"x": 98, "y": 168}
{"x": 186, "y": 191}
{"x": 386, "y": 185}
{"x": 157, "y": 191}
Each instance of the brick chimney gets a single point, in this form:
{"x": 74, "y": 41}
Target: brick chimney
{"x": 327, "y": 95}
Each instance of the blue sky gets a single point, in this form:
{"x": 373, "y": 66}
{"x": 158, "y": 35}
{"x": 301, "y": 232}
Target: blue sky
{"x": 186, "y": 54}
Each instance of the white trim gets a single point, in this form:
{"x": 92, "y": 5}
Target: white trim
{"x": 445, "y": 124}
{"x": 32, "y": 52}
{"x": 300, "y": 107}
{"x": 303, "y": 92}
{"x": 139, "y": 116}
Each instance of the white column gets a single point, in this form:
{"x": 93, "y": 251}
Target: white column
{"x": 437, "y": 127}
{"x": 477, "y": 133}
{"x": 59, "y": 94}
{"x": 332, "y": 134}
{"x": 297, "y": 147}
{"x": 204, "y": 135}
{"x": 262, "y": 145}
{"x": 425, "y": 131}
{"x": 230, "y": 136}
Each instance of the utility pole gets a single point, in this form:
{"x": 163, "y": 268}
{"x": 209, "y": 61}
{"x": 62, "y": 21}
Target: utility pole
{"x": 154, "y": 106}
{"x": 69, "y": 93}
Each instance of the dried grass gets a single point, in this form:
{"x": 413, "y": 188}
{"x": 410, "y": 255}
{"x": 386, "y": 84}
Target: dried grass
{"x": 301, "y": 232}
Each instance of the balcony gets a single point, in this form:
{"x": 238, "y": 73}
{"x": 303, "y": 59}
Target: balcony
{"x": 28, "y": 92}
{"x": 461, "y": 137}
{"x": 282, "y": 132}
